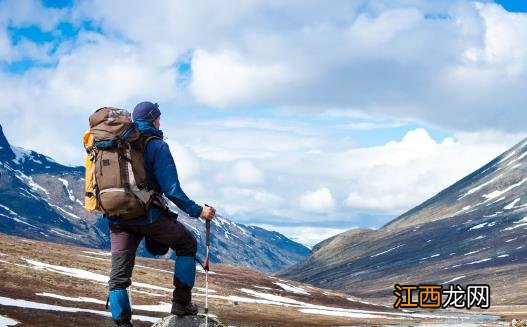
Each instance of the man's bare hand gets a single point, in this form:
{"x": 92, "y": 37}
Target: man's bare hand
{"x": 207, "y": 213}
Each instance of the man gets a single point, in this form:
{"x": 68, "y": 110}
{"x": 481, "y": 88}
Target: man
{"x": 158, "y": 226}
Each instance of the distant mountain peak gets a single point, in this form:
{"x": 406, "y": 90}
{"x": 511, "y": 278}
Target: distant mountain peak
{"x": 6, "y": 153}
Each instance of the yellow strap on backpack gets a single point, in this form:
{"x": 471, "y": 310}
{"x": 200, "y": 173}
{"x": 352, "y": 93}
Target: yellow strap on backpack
{"x": 90, "y": 200}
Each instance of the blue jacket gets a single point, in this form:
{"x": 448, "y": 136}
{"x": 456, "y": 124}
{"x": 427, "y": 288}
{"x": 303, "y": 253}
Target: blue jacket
{"x": 161, "y": 174}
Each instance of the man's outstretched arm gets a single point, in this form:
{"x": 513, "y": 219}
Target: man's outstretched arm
{"x": 166, "y": 175}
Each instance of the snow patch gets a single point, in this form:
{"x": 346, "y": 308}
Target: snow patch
{"x": 384, "y": 252}
{"x": 108, "y": 254}
{"x": 519, "y": 223}
{"x": 201, "y": 289}
{"x": 454, "y": 279}
{"x": 84, "y": 274}
{"x": 161, "y": 307}
{"x": 479, "y": 187}
{"x": 6, "y": 321}
{"x": 156, "y": 269}
{"x": 478, "y": 226}
{"x": 292, "y": 289}
{"x": 479, "y": 261}
{"x": 512, "y": 204}
{"x": 507, "y": 157}
{"x": 16, "y": 216}
{"x": 30, "y": 182}
{"x": 73, "y": 299}
{"x": 20, "y": 154}
{"x": 497, "y": 193}
{"x": 66, "y": 185}
{"x": 271, "y": 297}
{"x": 496, "y": 201}
{"x": 43, "y": 306}
{"x": 264, "y": 298}
{"x": 340, "y": 313}
{"x": 58, "y": 232}
{"x": 64, "y": 211}
{"x": 463, "y": 209}
{"x": 432, "y": 256}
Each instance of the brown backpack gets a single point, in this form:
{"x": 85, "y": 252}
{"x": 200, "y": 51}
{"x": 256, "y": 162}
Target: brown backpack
{"x": 117, "y": 163}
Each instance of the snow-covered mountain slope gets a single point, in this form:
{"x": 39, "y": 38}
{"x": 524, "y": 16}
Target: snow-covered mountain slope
{"x": 242, "y": 245}
{"x": 42, "y": 199}
{"x": 471, "y": 233}
{"x": 497, "y": 188}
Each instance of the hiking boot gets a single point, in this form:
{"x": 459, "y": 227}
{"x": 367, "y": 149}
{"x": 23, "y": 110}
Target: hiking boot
{"x": 184, "y": 310}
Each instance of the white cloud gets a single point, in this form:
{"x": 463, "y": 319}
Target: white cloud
{"x": 244, "y": 172}
{"x": 100, "y": 71}
{"x": 225, "y": 79}
{"x": 464, "y": 71}
{"x": 31, "y": 12}
{"x": 401, "y": 174}
{"x": 368, "y": 126}
{"x": 319, "y": 201}
{"x": 5, "y": 45}
{"x": 189, "y": 165}
{"x": 308, "y": 172}
{"x": 245, "y": 202}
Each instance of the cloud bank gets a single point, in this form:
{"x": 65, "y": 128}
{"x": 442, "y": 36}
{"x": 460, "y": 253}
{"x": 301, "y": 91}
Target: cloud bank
{"x": 324, "y": 74}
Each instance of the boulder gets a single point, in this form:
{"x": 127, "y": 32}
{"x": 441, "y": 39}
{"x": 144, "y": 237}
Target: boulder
{"x": 188, "y": 321}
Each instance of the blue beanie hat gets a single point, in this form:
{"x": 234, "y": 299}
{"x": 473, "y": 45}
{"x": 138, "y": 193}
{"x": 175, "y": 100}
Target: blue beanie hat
{"x": 146, "y": 111}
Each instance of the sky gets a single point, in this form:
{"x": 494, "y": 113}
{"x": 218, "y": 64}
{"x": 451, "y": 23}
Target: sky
{"x": 298, "y": 116}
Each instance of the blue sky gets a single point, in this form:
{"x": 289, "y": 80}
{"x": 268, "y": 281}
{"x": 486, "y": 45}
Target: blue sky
{"x": 513, "y": 5}
{"x": 282, "y": 115}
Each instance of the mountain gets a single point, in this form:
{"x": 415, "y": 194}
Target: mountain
{"x": 473, "y": 232}
{"x": 43, "y": 200}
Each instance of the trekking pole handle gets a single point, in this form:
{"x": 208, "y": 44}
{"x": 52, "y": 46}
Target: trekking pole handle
{"x": 207, "y": 235}
{"x": 207, "y": 227}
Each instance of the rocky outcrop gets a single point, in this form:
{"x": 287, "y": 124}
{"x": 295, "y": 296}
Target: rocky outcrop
{"x": 518, "y": 323}
{"x": 188, "y": 321}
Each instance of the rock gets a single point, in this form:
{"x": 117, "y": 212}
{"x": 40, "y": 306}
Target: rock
{"x": 518, "y": 323}
{"x": 188, "y": 321}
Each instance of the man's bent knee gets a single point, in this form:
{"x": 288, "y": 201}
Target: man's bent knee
{"x": 187, "y": 247}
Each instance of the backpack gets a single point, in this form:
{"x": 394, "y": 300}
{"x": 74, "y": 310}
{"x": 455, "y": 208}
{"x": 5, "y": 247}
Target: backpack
{"x": 116, "y": 181}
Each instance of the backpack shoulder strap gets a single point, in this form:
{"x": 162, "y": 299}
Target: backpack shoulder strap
{"x": 145, "y": 139}
{"x": 157, "y": 198}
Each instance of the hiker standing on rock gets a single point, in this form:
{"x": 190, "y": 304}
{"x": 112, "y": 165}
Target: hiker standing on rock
{"x": 157, "y": 224}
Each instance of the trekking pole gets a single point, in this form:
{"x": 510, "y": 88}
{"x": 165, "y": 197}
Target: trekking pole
{"x": 207, "y": 243}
